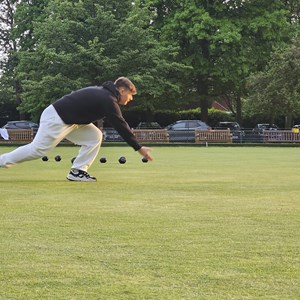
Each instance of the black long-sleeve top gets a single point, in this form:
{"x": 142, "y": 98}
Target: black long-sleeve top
{"x": 90, "y": 104}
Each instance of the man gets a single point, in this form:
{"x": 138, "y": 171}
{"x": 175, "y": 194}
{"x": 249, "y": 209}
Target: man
{"x": 71, "y": 117}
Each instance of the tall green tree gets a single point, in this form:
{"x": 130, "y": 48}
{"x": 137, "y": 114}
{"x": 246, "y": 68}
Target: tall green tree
{"x": 224, "y": 41}
{"x": 9, "y": 90}
{"x": 276, "y": 90}
{"x": 87, "y": 42}
{"x": 151, "y": 63}
{"x": 16, "y": 24}
{"x": 68, "y": 53}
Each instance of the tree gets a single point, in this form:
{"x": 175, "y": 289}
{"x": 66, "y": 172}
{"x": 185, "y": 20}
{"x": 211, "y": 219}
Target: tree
{"x": 293, "y": 6}
{"x": 9, "y": 90}
{"x": 83, "y": 42}
{"x": 224, "y": 41}
{"x": 275, "y": 91}
{"x": 151, "y": 63}
{"x": 16, "y": 23}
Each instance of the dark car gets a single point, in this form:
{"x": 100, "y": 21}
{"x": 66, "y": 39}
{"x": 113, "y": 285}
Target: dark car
{"x": 148, "y": 125}
{"x": 236, "y": 132}
{"x": 272, "y": 132}
{"x": 21, "y": 125}
{"x": 259, "y": 128}
{"x": 184, "y": 130}
{"x": 111, "y": 135}
{"x": 229, "y": 125}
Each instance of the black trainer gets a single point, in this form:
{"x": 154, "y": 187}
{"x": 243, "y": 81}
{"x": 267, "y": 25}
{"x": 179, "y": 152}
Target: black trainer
{"x": 79, "y": 175}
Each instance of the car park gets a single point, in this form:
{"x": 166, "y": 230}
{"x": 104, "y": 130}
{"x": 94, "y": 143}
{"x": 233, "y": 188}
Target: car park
{"x": 229, "y": 125}
{"x": 21, "y": 125}
{"x": 111, "y": 135}
{"x": 148, "y": 125}
{"x": 236, "y": 132}
{"x": 272, "y": 132}
{"x": 18, "y": 125}
{"x": 184, "y": 130}
{"x": 259, "y": 128}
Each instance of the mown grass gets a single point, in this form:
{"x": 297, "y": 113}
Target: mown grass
{"x": 198, "y": 223}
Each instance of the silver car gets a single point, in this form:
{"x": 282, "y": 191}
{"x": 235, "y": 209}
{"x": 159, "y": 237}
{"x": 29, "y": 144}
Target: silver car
{"x": 184, "y": 130}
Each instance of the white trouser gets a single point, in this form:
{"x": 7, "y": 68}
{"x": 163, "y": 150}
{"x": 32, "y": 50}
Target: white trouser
{"x": 51, "y": 131}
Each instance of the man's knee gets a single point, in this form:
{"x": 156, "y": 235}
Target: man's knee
{"x": 36, "y": 152}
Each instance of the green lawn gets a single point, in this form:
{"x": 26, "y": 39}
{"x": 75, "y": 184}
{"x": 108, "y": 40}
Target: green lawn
{"x": 197, "y": 223}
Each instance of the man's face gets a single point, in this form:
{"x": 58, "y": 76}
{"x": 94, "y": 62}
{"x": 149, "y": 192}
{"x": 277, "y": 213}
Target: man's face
{"x": 125, "y": 96}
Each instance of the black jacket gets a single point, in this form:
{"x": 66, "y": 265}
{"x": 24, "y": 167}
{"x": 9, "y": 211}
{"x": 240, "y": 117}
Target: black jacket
{"x": 90, "y": 104}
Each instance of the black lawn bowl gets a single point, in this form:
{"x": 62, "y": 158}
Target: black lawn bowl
{"x": 57, "y": 158}
{"x": 122, "y": 160}
{"x": 144, "y": 160}
{"x": 45, "y": 158}
{"x": 103, "y": 160}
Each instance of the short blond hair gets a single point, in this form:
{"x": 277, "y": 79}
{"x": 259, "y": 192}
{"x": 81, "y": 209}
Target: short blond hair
{"x": 125, "y": 83}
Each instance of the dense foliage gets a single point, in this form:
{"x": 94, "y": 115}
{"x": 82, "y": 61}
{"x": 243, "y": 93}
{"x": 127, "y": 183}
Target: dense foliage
{"x": 278, "y": 86}
{"x": 180, "y": 54}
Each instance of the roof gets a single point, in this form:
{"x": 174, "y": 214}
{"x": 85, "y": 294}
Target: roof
{"x": 220, "y": 106}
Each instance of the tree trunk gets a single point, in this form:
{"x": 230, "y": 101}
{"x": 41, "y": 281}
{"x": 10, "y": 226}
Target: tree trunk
{"x": 204, "y": 108}
{"x": 17, "y": 88}
{"x": 238, "y": 109}
{"x": 204, "y": 103}
{"x": 288, "y": 121}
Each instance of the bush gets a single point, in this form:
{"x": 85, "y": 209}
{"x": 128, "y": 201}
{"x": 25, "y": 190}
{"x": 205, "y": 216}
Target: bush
{"x": 166, "y": 117}
{"x": 215, "y": 116}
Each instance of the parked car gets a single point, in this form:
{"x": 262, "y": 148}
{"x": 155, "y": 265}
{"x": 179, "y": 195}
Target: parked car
{"x": 229, "y": 125}
{"x": 21, "y": 125}
{"x": 184, "y": 130}
{"x": 259, "y": 128}
{"x": 148, "y": 125}
{"x": 274, "y": 135}
{"x": 236, "y": 132}
{"x": 111, "y": 135}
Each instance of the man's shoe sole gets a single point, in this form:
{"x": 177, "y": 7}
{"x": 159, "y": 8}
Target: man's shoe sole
{"x": 73, "y": 178}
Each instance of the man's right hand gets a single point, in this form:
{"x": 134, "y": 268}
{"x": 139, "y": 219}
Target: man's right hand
{"x": 146, "y": 152}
